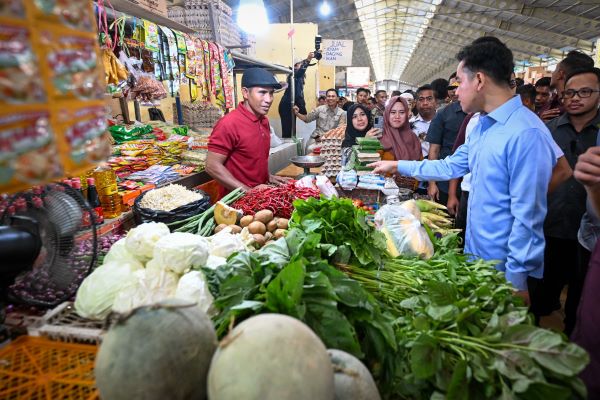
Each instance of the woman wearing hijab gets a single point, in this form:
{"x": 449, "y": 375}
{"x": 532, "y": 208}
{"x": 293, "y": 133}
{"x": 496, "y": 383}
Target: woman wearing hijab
{"x": 398, "y": 140}
{"x": 358, "y": 125}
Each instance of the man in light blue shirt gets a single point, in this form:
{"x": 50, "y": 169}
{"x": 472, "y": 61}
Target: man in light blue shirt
{"x": 510, "y": 157}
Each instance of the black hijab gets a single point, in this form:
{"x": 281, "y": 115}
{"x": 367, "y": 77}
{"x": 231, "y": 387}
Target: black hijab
{"x": 351, "y": 132}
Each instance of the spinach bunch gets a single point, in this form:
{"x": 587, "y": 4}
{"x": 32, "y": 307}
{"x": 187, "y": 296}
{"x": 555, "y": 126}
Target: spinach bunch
{"x": 342, "y": 225}
{"x": 462, "y": 334}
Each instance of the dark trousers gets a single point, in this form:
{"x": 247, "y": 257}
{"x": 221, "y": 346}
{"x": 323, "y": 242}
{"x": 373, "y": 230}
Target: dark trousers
{"x": 287, "y": 118}
{"x": 460, "y": 222}
{"x": 587, "y": 331}
{"x": 565, "y": 263}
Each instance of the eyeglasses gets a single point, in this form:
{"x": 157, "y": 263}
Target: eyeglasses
{"x": 512, "y": 83}
{"x": 582, "y": 93}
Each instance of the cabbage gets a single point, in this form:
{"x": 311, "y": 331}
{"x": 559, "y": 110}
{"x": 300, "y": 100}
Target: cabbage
{"x": 179, "y": 252}
{"x": 97, "y": 292}
{"x": 118, "y": 253}
{"x": 224, "y": 244}
{"x": 149, "y": 286}
{"x": 215, "y": 262}
{"x": 140, "y": 240}
{"x": 193, "y": 287}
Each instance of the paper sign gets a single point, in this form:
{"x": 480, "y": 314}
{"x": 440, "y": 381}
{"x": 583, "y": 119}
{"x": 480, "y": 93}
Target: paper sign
{"x": 337, "y": 52}
{"x": 357, "y": 77}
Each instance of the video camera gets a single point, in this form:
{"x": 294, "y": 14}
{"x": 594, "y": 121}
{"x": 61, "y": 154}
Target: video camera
{"x": 318, "y": 54}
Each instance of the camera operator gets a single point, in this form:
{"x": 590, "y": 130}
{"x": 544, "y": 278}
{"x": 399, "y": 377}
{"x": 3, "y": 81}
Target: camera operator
{"x": 285, "y": 106}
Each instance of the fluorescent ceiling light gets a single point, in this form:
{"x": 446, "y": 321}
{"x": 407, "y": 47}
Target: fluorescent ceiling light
{"x": 325, "y": 10}
{"x": 252, "y": 16}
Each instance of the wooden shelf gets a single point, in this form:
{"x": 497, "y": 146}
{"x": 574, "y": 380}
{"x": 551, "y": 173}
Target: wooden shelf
{"x": 127, "y": 7}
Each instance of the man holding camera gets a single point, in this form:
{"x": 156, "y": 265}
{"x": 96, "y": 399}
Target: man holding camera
{"x": 285, "y": 106}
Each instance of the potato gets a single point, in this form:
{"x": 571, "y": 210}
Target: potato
{"x": 268, "y": 235}
{"x": 279, "y": 233}
{"x": 264, "y": 216}
{"x": 272, "y": 225}
{"x": 219, "y": 228}
{"x": 235, "y": 229}
{"x": 246, "y": 220}
{"x": 257, "y": 227}
{"x": 283, "y": 223}
{"x": 259, "y": 240}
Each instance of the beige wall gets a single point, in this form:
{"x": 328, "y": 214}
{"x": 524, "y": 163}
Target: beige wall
{"x": 274, "y": 47}
{"x": 326, "y": 77}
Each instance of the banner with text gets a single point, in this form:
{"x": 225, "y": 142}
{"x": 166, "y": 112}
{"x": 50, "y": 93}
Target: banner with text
{"x": 357, "y": 77}
{"x": 337, "y": 52}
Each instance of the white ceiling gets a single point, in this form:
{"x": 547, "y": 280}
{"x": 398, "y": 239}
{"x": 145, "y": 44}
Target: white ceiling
{"x": 416, "y": 41}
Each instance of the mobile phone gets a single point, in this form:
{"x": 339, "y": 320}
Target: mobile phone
{"x": 378, "y": 123}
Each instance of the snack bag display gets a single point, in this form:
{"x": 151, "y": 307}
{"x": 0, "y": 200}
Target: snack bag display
{"x": 27, "y": 148}
{"x": 20, "y": 81}
{"x": 52, "y": 107}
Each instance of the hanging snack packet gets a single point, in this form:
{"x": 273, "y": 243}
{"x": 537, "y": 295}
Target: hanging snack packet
{"x": 74, "y": 65}
{"x": 19, "y": 74}
{"x": 75, "y": 14}
{"x": 27, "y": 151}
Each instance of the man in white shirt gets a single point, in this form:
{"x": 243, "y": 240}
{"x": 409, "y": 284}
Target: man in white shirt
{"x": 426, "y": 111}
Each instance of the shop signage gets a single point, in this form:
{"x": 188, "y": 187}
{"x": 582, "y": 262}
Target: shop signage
{"x": 337, "y": 52}
{"x": 357, "y": 77}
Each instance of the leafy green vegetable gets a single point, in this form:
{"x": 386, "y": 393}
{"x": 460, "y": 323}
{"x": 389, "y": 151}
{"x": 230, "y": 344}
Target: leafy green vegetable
{"x": 341, "y": 224}
{"x": 461, "y": 316}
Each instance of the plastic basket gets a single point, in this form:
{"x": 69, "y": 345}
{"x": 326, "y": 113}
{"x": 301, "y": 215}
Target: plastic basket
{"x": 63, "y": 323}
{"x": 36, "y": 368}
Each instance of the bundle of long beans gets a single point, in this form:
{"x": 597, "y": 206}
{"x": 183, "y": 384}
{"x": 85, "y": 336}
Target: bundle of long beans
{"x": 204, "y": 224}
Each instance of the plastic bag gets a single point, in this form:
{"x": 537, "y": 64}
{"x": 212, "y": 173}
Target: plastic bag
{"x": 326, "y": 187}
{"x": 403, "y": 231}
{"x": 142, "y": 214}
{"x": 347, "y": 179}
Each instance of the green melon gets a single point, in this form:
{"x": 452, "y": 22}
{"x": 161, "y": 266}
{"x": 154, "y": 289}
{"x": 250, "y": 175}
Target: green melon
{"x": 157, "y": 353}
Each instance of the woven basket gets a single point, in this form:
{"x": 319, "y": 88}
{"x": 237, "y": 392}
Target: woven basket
{"x": 63, "y": 323}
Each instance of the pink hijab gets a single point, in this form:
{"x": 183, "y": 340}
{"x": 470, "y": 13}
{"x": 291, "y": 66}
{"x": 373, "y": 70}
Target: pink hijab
{"x": 402, "y": 141}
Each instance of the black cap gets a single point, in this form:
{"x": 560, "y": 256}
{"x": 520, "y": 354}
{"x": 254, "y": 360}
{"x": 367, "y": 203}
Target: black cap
{"x": 259, "y": 77}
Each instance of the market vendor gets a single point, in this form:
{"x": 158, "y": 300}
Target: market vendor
{"x": 238, "y": 148}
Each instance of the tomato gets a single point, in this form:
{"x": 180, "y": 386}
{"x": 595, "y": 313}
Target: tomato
{"x": 357, "y": 203}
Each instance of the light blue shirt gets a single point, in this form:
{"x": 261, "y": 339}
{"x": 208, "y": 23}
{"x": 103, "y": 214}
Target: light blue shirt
{"x": 510, "y": 157}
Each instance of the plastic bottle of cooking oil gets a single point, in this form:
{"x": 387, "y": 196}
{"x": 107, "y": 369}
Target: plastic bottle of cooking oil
{"x": 106, "y": 184}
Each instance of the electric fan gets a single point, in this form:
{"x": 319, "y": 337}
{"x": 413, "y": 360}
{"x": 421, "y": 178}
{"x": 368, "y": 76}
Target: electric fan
{"x": 48, "y": 244}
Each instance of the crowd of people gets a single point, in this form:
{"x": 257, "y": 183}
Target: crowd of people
{"x": 517, "y": 164}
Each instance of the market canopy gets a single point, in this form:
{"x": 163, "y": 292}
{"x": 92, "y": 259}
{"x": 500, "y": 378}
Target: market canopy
{"x": 415, "y": 41}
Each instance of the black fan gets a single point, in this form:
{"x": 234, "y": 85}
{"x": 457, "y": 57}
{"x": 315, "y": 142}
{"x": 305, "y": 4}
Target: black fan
{"x": 48, "y": 244}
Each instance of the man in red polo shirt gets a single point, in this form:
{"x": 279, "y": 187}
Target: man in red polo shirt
{"x": 238, "y": 148}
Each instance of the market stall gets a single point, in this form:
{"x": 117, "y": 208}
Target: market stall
{"x": 127, "y": 279}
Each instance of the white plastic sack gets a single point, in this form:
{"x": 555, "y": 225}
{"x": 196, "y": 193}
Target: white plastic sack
{"x": 326, "y": 187}
{"x": 404, "y": 233}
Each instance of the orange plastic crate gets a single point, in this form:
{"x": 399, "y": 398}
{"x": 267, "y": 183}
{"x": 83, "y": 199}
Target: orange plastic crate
{"x": 34, "y": 368}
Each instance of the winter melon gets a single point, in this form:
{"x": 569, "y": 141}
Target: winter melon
{"x": 157, "y": 352}
{"x": 353, "y": 381}
{"x": 271, "y": 357}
